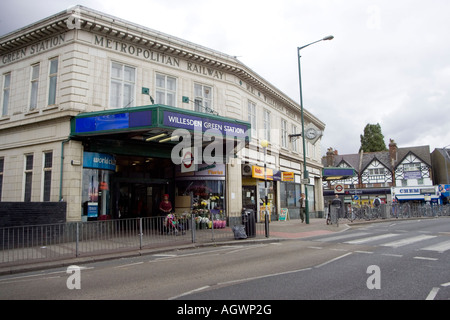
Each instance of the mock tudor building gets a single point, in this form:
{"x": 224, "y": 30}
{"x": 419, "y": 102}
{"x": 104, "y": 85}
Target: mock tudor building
{"x": 399, "y": 174}
{"x": 93, "y": 107}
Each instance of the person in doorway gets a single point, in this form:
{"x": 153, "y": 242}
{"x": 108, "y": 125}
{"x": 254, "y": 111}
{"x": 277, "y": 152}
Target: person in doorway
{"x": 165, "y": 206}
{"x": 302, "y": 207}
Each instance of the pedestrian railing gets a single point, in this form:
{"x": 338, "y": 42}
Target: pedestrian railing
{"x": 386, "y": 211}
{"x": 26, "y": 244}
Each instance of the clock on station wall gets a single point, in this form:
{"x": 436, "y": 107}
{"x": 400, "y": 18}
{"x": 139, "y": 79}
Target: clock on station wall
{"x": 312, "y": 133}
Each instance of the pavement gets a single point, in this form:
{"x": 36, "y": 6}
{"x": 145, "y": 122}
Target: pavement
{"x": 278, "y": 231}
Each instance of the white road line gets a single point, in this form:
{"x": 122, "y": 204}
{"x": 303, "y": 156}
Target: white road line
{"x": 367, "y": 252}
{"x": 392, "y": 255}
{"x": 439, "y": 247}
{"x": 374, "y": 238}
{"x": 129, "y": 265}
{"x": 189, "y": 292}
{"x": 404, "y": 242}
{"x": 357, "y": 234}
{"x": 332, "y": 260}
{"x": 432, "y": 294}
{"x": 426, "y": 258}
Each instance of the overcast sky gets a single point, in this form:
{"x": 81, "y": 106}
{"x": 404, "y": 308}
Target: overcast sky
{"x": 389, "y": 62}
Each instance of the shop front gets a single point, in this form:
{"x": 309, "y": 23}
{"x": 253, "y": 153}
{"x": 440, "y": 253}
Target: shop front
{"x": 129, "y": 162}
{"x": 416, "y": 195}
{"x": 290, "y": 195}
{"x": 256, "y": 188}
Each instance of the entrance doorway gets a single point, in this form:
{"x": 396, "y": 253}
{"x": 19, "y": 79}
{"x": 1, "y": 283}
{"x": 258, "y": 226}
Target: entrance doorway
{"x": 138, "y": 200}
{"x": 249, "y": 197}
{"x": 139, "y": 185}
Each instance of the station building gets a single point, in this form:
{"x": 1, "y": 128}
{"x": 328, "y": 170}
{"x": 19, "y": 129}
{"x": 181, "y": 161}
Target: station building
{"x": 95, "y": 111}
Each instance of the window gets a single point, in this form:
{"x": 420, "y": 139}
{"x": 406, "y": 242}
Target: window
{"x": 28, "y": 176}
{"x": 252, "y": 117}
{"x": 47, "y": 181}
{"x": 53, "y": 78}
{"x": 294, "y": 140}
{"x": 203, "y": 98}
{"x": 123, "y": 79}
{"x": 6, "y": 93}
{"x": 411, "y": 167}
{"x": 166, "y": 88}
{"x": 266, "y": 125}
{"x": 34, "y": 86}
{"x": 283, "y": 133}
{"x": 2, "y": 164}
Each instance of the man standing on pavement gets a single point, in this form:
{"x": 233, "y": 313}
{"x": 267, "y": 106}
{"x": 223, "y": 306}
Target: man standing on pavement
{"x": 302, "y": 206}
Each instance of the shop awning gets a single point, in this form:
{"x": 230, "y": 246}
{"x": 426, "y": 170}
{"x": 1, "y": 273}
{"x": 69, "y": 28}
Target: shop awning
{"x": 334, "y": 173}
{"x": 419, "y": 197}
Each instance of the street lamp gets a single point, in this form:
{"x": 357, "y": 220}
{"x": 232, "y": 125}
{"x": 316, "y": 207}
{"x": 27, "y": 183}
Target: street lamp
{"x": 305, "y": 171}
{"x": 264, "y": 144}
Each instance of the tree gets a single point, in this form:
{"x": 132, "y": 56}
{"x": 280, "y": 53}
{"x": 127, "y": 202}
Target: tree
{"x": 373, "y": 139}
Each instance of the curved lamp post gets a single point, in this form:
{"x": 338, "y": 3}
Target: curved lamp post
{"x": 305, "y": 171}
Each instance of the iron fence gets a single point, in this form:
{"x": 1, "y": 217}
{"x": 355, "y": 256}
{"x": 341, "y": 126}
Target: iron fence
{"x": 80, "y": 239}
{"x": 388, "y": 211}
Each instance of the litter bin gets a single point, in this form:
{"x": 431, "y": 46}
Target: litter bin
{"x": 249, "y": 222}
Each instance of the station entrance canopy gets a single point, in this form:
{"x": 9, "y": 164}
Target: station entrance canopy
{"x": 155, "y": 125}
{"x": 332, "y": 173}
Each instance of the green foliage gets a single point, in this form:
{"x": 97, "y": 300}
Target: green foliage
{"x": 373, "y": 139}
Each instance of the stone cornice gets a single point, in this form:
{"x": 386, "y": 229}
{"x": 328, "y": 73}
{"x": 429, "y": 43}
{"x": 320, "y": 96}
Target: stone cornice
{"x": 80, "y": 17}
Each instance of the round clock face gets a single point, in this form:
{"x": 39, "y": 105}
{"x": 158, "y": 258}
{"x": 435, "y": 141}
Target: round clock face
{"x": 311, "y": 133}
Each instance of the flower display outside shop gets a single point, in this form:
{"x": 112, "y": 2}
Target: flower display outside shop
{"x": 206, "y": 218}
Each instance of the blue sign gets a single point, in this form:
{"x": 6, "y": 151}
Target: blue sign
{"x": 92, "y": 210}
{"x": 116, "y": 121}
{"x": 96, "y": 160}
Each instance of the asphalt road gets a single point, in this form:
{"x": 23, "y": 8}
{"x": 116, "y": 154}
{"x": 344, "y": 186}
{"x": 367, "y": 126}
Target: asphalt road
{"x": 386, "y": 261}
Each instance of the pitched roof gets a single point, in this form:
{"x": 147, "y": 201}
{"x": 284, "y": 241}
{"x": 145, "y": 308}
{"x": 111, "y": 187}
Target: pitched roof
{"x": 422, "y": 152}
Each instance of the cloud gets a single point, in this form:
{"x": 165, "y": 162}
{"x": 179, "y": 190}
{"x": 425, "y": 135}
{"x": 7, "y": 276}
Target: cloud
{"x": 388, "y": 63}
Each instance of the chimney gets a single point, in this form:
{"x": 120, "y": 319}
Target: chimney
{"x": 330, "y": 157}
{"x": 392, "y": 151}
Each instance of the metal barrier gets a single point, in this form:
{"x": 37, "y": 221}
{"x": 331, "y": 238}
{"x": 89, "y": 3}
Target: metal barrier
{"x": 79, "y": 239}
{"x": 399, "y": 211}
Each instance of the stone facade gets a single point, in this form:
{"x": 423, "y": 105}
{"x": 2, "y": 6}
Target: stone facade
{"x": 65, "y": 65}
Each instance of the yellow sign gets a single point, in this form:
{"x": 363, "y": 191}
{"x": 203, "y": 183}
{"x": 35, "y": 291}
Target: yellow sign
{"x": 258, "y": 172}
{"x": 287, "y": 176}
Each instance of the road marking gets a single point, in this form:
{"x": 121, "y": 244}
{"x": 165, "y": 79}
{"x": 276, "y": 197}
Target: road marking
{"x": 238, "y": 281}
{"x": 404, "y": 242}
{"x": 367, "y": 252}
{"x": 446, "y": 284}
{"x": 392, "y": 255}
{"x": 440, "y": 247}
{"x": 189, "y": 292}
{"x": 357, "y": 234}
{"x": 432, "y": 294}
{"x": 332, "y": 260}
{"x": 318, "y": 248}
{"x": 426, "y": 258}
{"x": 374, "y": 238}
{"x": 129, "y": 265}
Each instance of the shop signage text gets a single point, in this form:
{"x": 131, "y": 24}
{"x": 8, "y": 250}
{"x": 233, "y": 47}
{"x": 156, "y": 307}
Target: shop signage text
{"x": 30, "y": 50}
{"x": 194, "y": 123}
{"x": 149, "y": 55}
{"x": 258, "y": 172}
{"x": 96, "y": 160}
